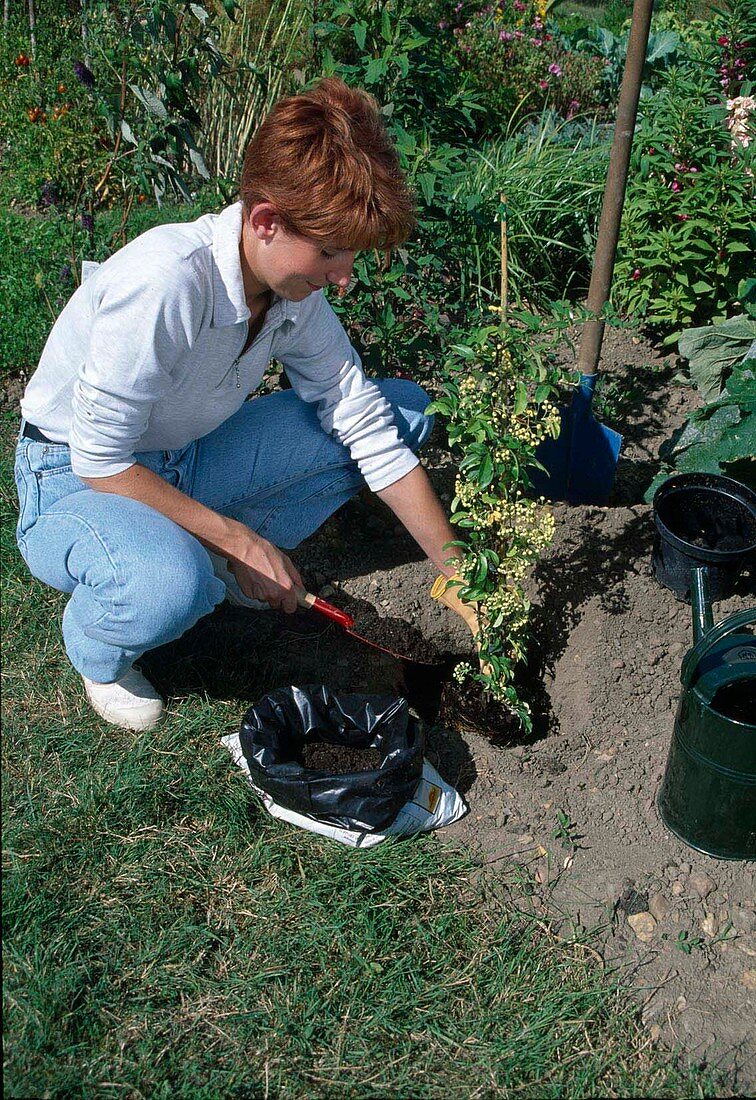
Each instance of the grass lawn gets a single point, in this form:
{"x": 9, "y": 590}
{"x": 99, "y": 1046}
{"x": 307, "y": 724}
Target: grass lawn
{"x": 163, "y": 937}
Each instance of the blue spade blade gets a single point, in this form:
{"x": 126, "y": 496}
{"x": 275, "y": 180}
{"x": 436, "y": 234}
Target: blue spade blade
{"x": 581, "y": 462}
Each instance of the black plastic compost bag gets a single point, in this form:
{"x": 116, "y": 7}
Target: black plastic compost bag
{"x": 275, "y": 730}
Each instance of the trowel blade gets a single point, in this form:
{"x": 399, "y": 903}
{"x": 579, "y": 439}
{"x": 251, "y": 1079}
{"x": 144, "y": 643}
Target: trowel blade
{"x": 391, "y": 652}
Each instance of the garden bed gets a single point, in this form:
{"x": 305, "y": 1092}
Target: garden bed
{"x": 571, "y": 810}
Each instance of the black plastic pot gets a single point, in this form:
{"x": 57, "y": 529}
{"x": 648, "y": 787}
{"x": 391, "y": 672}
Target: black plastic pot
{"x": 703, "y": 519}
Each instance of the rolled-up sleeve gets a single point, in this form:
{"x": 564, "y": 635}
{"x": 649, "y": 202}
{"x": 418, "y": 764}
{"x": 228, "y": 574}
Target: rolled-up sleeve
{"x": 325, "y": 370}
{"x": 143, "y": 324}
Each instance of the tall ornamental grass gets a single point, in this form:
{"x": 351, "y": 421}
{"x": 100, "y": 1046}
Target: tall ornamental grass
{"x": 552, "y": 175}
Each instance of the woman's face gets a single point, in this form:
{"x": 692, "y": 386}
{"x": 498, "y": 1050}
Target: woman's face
{"x": 289, "y": 265}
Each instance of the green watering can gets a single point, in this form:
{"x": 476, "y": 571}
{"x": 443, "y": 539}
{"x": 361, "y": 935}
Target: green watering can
{"x": 708, "y": 795}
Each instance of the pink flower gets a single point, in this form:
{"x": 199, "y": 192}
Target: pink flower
{"x": 519, "y": 34}
{"x": 543, "y": 85}
{"x": 536, "y": 42}
{"x": 443, "y": 25}
{"x": 723, "y": 40}
{"x": 675, "y": 186}
{"x": 683, "y": 217}
{"x": 537, "y": 24}
{"x": 636, "y": 274}
{"x": 506, "y": 36}
{"x": 555, "y": 70}
{"x": 518, "y": 5}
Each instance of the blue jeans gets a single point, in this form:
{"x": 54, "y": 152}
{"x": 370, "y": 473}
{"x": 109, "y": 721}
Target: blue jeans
{"x": 138, "y": 580}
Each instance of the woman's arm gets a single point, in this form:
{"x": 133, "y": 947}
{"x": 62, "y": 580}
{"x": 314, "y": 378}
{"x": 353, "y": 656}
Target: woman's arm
{"x": 413, "y": 500}
{"x": 263, "y": 571}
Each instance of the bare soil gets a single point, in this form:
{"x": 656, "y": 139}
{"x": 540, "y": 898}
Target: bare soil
{"x": 565, "y": 820}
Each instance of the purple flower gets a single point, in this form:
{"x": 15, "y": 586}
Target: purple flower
{"x": 443, "y": 25}
{"x": 543, "y": 85}
{"x": 65, "y": 273}
{"x": 87, "y": 222}
{"x": 83, "y": 74}
{"x": 555, "y": 70}
{"x": 506, "y": 36}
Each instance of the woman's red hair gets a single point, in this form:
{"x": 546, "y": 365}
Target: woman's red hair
{"x": 326, "y": 162}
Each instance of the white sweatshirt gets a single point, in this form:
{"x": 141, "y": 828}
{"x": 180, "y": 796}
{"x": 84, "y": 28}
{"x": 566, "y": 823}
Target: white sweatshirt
{"x": 146, "y": 356}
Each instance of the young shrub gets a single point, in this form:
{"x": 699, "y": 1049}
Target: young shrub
{"x": 497, "y": 398}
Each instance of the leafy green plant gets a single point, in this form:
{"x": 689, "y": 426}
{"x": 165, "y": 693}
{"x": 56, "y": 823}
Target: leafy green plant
{"x": 400, "y": 58}
{"x": 105, "y": 113}
{"x": 497, "y": 398}
{"x": 719, "y": 436}
{"x": 49, "y": 145}
{"x": 517, "y": 63}
{"x": 687, "y": 233}
{"x": 611, "y": 49}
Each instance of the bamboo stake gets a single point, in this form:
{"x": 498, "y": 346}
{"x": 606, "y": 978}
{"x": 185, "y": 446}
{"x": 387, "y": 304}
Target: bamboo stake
{"x": 504, "y": 274}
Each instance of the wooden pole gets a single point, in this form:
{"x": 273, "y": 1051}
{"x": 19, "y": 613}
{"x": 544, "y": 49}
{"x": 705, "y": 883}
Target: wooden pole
{"x": 614, "y": 192}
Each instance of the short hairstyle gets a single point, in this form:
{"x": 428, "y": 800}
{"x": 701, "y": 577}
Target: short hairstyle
{"x": 326, "y": 162}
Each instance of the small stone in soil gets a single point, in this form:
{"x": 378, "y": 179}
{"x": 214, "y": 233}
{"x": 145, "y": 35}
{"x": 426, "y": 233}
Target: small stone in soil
{"x": 339, "y": 759}
{"x": 701, "y": 884}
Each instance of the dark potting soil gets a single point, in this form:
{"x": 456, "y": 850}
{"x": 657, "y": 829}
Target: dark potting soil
{"x": 323, "y": 756}
{"x": 397, "y": 636}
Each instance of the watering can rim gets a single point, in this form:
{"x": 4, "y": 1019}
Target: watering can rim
{"x": 715, "y": 634}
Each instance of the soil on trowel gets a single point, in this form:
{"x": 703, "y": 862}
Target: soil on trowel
{"x": 323, "y": 756}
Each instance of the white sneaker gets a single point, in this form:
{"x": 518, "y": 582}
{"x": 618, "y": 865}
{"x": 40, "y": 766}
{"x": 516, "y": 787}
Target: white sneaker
{"x": 131, "y": 702}
{"x": 234, "y": 594}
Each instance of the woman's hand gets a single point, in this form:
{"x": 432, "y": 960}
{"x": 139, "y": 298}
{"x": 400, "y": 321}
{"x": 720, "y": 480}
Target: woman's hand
{"x": 265, "y": 573}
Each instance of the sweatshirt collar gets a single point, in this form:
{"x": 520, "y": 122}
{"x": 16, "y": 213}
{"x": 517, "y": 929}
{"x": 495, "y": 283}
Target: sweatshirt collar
{"x": 229, "y": 303}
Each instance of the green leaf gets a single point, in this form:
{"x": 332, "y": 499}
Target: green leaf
{"x": 386, "y": 32}
{"x": 485, "y": 471}
{"x": 199, "y": 13}
{"x": 375, "y": 70}
{"x": 360, "y": 34}
{"x": 154, "y": 105}
{"x": 427, "y": 181}
{"x": 128, "y": 133}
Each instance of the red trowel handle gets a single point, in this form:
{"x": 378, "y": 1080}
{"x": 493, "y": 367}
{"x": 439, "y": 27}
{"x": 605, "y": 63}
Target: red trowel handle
{"x": 306, "y": 599}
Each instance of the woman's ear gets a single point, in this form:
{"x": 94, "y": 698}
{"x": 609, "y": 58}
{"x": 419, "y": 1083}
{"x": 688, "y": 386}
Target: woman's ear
{"x": 265, "y": 221}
